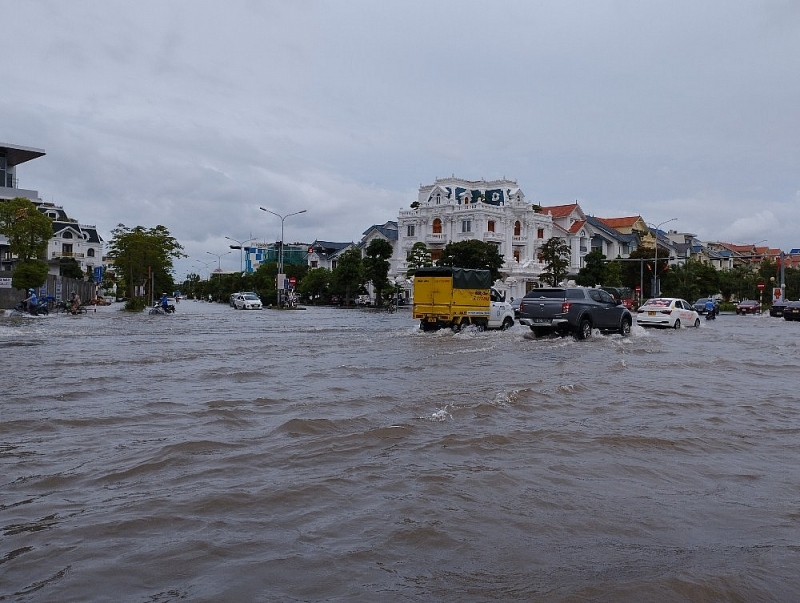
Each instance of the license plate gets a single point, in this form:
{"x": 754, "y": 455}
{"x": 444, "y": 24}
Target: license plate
{"x": 541, "y": 320}
{"x": 651, "y": 313}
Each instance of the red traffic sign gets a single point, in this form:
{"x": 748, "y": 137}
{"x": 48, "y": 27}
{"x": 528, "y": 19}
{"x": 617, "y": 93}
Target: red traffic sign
{"x": 638, "y": 288}
{"x": 760, "y": 286}
{"x": 292, "y": 281}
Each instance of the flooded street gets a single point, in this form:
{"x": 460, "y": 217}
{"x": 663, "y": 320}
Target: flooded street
{"x": 344, "y": 455}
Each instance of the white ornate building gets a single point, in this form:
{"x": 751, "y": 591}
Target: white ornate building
{"x": 496, "y": 212}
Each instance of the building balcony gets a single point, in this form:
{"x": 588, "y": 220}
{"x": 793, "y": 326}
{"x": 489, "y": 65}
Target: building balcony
{"x": 493, "y": 236}
{"x": 519, "y": 240}
{"x": 435, "y": 238}
{"x": 66, "y": 254}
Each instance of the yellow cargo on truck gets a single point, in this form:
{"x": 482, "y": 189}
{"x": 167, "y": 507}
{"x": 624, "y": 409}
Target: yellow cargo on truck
{"x": 453, "y": 298}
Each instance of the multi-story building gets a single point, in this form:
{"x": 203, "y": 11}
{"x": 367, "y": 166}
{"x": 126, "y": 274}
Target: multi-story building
{"x": 496, "y": 212}
{"x": 70, "y": 238}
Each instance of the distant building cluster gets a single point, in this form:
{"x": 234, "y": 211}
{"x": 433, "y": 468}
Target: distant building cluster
{"x": 449, "y": 210}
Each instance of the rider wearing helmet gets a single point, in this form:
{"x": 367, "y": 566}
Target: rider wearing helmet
{"x": 164, "y": 302}
{"x": 710, "y": 306}
{"x": 31, "y": 302}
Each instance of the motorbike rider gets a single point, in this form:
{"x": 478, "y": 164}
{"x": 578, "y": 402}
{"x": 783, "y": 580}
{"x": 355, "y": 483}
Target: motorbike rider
{"x": 711, "y": 308}
{"x": 31, "y": 303}
{"x": 164, "y": 302}
{"x": 74, "y": 302}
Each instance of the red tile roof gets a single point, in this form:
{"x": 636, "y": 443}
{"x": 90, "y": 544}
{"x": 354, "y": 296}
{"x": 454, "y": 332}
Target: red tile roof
{"x": 559, "y": 211}
{"x": 625, "y": 222}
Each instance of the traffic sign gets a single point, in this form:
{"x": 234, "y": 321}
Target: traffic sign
{"x": 761, "y": 285}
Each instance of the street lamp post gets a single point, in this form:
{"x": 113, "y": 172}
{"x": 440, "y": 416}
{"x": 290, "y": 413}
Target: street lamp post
{"x": 278, "y": 284}
{"x": 656, "y": 284}
{"x": 204, "y": 264}
{"x": 241, "y": 250}
{"x": 219, "y": 259}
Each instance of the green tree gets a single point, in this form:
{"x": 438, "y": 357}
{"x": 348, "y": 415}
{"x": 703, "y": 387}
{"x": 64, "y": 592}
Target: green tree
{"x": 614, "y": 274}
{"x": 690, "y": 281}
{"x": 29, "y": 274}
{"x": 141, "y": 252}
{"x": 376, "y": 266}
{"x": 473, "y": 254}
{"x": 28, "y": 230}
{"x": 418, "y": 257}
{"x": 70, "y": 268}
{"x": 556, "y": 257}
{"x": 348, "y": 275}
{"x": 315, "y": 285}
{"x": 594, "y": 272}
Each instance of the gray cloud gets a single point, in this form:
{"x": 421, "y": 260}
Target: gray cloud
{"x": 192, "y": 114}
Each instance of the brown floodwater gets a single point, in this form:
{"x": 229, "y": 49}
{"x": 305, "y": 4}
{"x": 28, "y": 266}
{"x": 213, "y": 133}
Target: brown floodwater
{"x": 344, "y": 455}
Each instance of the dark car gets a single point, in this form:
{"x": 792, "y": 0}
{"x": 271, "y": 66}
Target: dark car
{"x": 748, "y": 306}
{"x": 791, "y": 311}
{"x": 700, "y": 305}
{"x": 777, "y": 308}
{"x": 577, "y": 310}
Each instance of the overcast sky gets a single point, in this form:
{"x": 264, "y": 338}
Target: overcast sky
{"x": 192, "y": 114}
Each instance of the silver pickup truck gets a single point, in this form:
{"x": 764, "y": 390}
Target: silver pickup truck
{"x": 576, "y": 310}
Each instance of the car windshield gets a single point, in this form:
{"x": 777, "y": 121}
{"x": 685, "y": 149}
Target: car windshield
{"x": 250, "y": 296}
{"x": 658, "y": 302}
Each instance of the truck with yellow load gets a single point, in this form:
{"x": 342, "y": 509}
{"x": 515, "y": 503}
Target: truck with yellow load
{"x": 455, "y": 298}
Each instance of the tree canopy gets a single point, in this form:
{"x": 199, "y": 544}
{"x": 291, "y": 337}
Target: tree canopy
{"x": 376, "y": 266}
{"x": 141, "y": 252}
{"x": 348, "y": 275}
{"x": 594, "y": 272}
{"x": 555, "y": 255}
{"x": 28, "y": 231}
{"x": 473, "y": 254}
{"x": 418, "y": 257}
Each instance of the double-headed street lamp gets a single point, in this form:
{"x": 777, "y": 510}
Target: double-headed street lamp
{"x": 280, "y": 253}
{"x": 656, "y": 284}
{"x": 205, "y": 264}
{"x": 240, "y": 246}
{"x": 219, "y": 259}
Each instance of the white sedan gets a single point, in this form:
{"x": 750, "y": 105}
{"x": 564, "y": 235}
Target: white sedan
{"x": 247, "y": 301}
{"x": 670, "y": 312}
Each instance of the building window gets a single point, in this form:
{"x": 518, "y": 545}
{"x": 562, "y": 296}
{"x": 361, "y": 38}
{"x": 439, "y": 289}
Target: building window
{"x": 314, "y": 264}
{"x": 437, "y": 226}
{"x": 410, "y": 230}
{"x": 540, "y": 233}
{"x": 333, "y": 264}
{"x": 90, "y": 253}
{"x": 490, "y": 226}
{"x": 516, "y": 255}
{"x": 517, "y": 228}
{"x": 66, "y": 235}
{"x": 466, "y": 225}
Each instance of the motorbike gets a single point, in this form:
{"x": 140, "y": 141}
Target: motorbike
{"x": 711, "y": 314}
{"x": 39, "y": 309}
{"x": 159, "y": 309}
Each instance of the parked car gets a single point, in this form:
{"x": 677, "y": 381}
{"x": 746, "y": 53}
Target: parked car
{"x": 667, "y": 312}
{"x": 363, "y": 300}
{"x": 247, "y": 301}
{"x": 700, "y": 305}
{"x": 791, "y": 311}
{"x": 748, "y": 306}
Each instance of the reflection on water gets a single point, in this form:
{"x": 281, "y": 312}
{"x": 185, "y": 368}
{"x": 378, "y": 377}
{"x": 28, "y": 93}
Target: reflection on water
{"x": 344, "y": 455}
